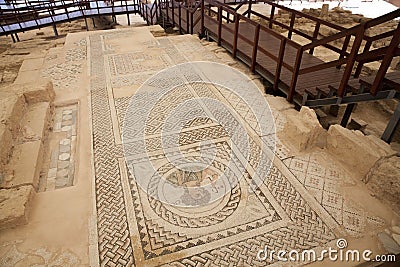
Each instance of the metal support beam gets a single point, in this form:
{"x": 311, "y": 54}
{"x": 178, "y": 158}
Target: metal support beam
{"x": 347, "y": 113}
{"x": 86, "y": 24}
{"x": 389, "y": 94}
{"x": 388, "y": 134}
{"x": 350, "y": 108}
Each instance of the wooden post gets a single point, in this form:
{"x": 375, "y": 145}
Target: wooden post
{"x": 350, "y": 61}
{"x": 187, "y": 20}
{"x": 156, "y": 9}
{"x": 236, "y": 34}
{"x": 12, "y": 37}
{"x": 191, "y": 23}
{"x": 55, "y": 29}
{"x": 151, "y": 14}
{"x": 249, "y": 8}
{"x": 160, "y": 4}
{"x": 146, "y": 13}
{"x": 315, "y": 35}
{"x": 255, "y": 47}
{"x": 271, "y": 18}
{"x": 86, "y": 24}
{"x": 293, "y": 17}
{"x": 344, "y": 49}
{"x": 98, "y": 9}
{"x": 180, "y": 21}
{"x": 202, "y": 18}
{"x": 219, "y": 25}
{"x": 360, "y": 64}
{"x": 295, "y": 74}
{"x": 279, "y": 63}
{"x": 173, "y": 13}
{"x": 166, "y": 8}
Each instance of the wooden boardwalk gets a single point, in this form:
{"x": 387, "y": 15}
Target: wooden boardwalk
{"x": 268, "y": 49}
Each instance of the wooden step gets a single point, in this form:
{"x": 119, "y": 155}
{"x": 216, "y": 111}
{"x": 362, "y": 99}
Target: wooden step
{"x": 391, "y": 81}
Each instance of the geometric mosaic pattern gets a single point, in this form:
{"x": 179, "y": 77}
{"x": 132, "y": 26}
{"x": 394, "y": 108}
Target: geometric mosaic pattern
{"x": 135, "y": 229}
{"x": 324, "y": 184}
{"x": 60, "y": 170}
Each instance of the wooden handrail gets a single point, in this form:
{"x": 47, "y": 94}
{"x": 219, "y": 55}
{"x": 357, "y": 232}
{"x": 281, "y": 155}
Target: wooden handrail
{"x": 336, "y": 36}
{"x": 351, "y": 60}
{"x": 325, "y": 65}
{"x": 380, "y": 36}
{"x": 393, "y": 46}
{"x": 379, "y": 20}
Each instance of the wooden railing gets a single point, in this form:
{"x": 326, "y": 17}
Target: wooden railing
{"x": 186, "y": 18}
{"x": 151, "y": 12}
{"x": 358, "y": 33}
{"x": 220, "y": 14}
{"x": 14, "y": 16}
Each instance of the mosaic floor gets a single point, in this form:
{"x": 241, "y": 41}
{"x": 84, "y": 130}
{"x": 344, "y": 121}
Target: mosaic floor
{"x": 146, "y": 229}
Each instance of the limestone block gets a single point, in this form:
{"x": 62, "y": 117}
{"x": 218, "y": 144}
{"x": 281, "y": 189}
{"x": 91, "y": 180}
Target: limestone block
{"x": 358, "y": 152}
{"x": 25, "y": 165}
{"x": 35, "y": 122}
{"x": 303, "y": 129}
{"x": 12, "y": 106}
{"x": 324, "y": 10}
{"x": 31, "y": 64}
{"x": 384, "y": 181}
{"x": 29, "y": 76}
{"x": 157, "y": 30}
{"x": 41, "y": 91}
{"x": 15, "y": 204}
{"x": 5, "y": 145}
